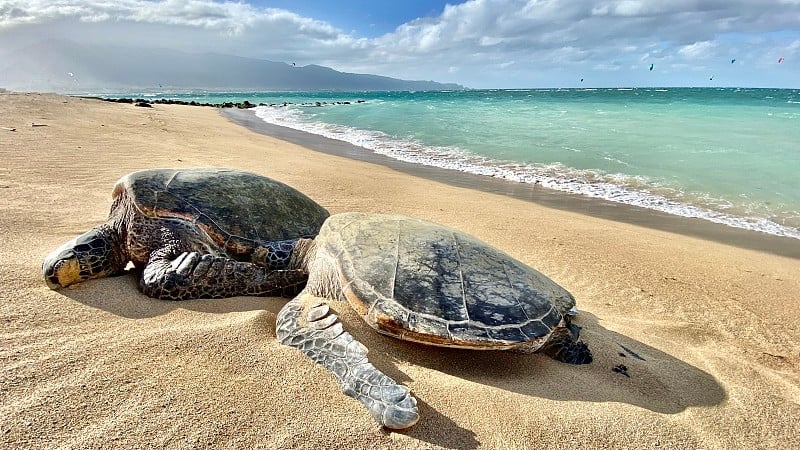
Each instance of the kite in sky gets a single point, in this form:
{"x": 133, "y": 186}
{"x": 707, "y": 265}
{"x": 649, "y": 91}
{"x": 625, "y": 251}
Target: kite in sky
{"x": 780, "y": 60}
{"x": 733, "y": 60}
{"x": 651, "y": 67}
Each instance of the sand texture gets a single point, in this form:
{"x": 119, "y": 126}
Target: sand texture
{"x": 709, "y": 333}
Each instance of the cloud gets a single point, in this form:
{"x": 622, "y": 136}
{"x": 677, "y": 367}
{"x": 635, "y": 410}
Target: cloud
{"x": 189, "y": 25}
{"x": 698, "y": 50}
{"x": 222, "y": 16}
{"x": 225, "y": 18}
{"x": 468, "y": 39}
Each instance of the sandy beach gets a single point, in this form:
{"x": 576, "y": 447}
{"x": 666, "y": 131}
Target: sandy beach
{"x": 709, "y": 331}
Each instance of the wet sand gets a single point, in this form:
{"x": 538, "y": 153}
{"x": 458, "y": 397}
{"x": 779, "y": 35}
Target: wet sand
{"x": 709, "y": 332}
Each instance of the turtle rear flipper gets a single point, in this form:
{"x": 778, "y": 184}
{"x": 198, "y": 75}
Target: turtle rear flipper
{"x": 191, "y": 275}
{"x": 564, "y": 346}
{"x": 320, "y": 336}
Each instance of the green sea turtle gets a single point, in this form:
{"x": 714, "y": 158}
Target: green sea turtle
{"x": 423, "y": 282}
{"x": 194, "y": 233}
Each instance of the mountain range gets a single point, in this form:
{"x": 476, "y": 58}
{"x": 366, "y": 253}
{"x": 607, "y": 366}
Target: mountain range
{"x": 68, "y": 67}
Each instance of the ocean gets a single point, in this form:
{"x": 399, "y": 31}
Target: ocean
{"x": 726, "y": 155}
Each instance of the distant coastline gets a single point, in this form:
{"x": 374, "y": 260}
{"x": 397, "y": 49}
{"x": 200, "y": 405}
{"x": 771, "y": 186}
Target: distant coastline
{"x": 74, "y": 68}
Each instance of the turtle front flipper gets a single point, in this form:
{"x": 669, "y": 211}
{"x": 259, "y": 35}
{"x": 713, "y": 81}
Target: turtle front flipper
{"x": 320, "y": 336}
{"x": 192, "y": 275}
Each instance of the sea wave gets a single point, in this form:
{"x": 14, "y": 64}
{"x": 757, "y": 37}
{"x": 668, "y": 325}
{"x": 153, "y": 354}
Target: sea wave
{"x": 620, "y": 188}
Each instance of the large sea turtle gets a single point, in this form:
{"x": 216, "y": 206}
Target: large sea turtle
{"x": 194, "y": 233}
{"x": 423, "y": 282}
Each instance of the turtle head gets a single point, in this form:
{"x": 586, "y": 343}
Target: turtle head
{"x": 94, "y": 254}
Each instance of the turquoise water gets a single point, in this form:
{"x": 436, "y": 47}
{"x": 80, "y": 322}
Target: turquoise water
{"x": 727, "y": 155}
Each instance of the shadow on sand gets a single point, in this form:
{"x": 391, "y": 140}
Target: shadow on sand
{"x": 653, "y": 380}
{"x": 624, "y": 370}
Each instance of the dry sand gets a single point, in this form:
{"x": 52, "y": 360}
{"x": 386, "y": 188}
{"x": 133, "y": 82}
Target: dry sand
{"x": 710, "y": 333}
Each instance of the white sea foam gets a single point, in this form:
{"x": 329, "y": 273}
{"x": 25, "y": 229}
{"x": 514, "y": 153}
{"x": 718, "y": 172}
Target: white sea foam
{"x": 621, "y": 188}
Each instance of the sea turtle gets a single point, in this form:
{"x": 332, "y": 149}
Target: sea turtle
{"x": 194, "y": 233}
{"x": 422, "y": 282}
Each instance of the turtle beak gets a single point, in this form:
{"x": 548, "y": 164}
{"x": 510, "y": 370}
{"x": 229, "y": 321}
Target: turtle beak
{"x": 52, "y": 284}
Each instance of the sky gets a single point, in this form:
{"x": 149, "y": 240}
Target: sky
{"x": 477, "y": 43}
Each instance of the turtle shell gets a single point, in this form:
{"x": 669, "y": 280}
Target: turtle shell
{"x": 424, "y": 282}
{"x": 234, "y": 208}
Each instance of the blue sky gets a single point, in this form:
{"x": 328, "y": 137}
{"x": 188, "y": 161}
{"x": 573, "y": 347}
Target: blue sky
{"x": 477, "y": 43}
{"x": 365, "y": 18}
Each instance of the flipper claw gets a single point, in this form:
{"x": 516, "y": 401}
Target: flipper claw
{"x": 325, "y": 341}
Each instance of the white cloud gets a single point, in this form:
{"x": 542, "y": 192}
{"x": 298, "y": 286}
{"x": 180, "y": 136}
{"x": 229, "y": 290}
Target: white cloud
{"x": 698, "y": 50}
{"x": 539, "y": 35}
{"x": 612, "y": 67}
{"x": 629, "y": 8}
{"x": 227, "y": 17}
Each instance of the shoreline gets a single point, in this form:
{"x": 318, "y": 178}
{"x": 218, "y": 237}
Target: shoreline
{"x": 600, "y": 208}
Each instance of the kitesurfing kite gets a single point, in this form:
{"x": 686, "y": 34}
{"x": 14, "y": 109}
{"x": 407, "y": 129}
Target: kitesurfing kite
{"x": 651, "y": 67}
{"x": 733, "y": 60}
{"x": 780, "y": 60}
